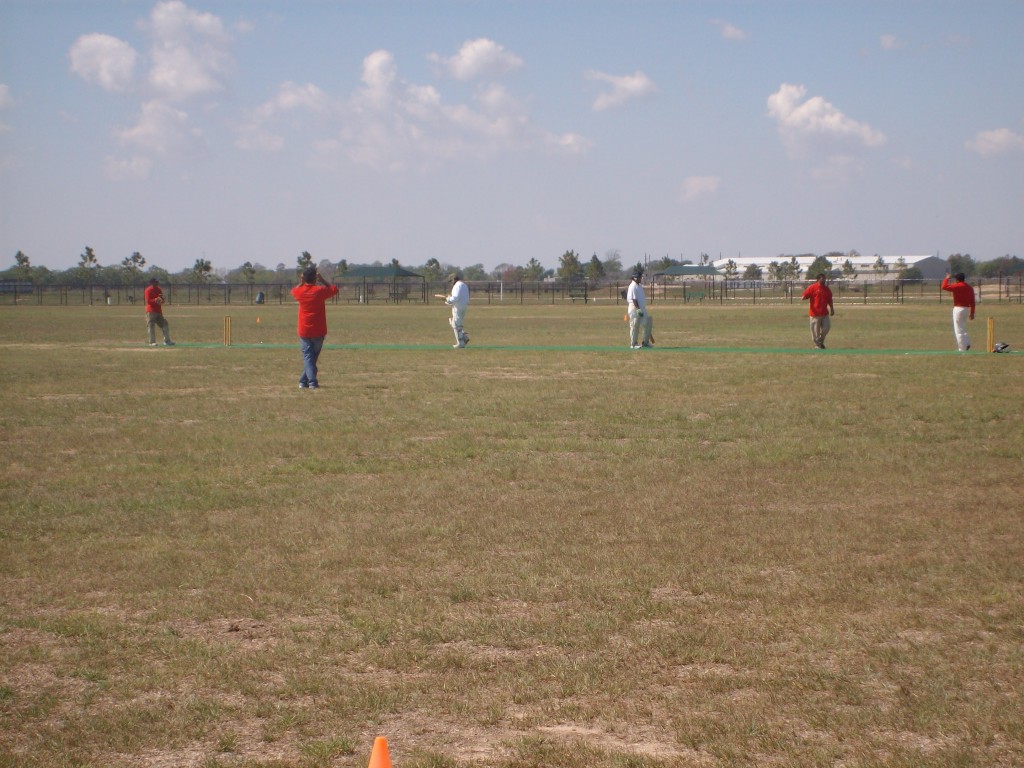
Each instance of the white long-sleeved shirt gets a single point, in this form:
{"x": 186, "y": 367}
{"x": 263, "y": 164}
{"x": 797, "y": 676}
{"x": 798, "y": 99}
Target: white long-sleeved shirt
{"x": 459, "y": 295}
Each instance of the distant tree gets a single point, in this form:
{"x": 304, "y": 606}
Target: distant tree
{"x": 22, "y": 266}
{"x": 304, "y": 261}
{"x": 752, "y": 272}
{"x": 820, "y": 265}
{"x": 248, "y": 272}
{"x": 663, "y": 263}
{"x": 792, "y": 269}
{"x": 133, "y": 265}
{"x": 731, "y": 270}
{"x": 595, "y": 269}
{"x": 849, "y": 272}
{"x": 87, "y": 264}
{"x": 1004, "y": 265}
{"x": 612, "y": 263}
{"x": 160, "y": 274}
{"x": 474, "y": 272}
{"x": 911, "y": 273}
{"x": 880, "y": 267}
{"x": 961, "y": 262}
{"x": 569, "y": 267}
{"x": 201, "y": 271}
{"x": 533, "y": 270}
{"x": 88, "y": 259}
{"x": 705, "y": 259}
{"x": 326, "y": 268}
{"x": 432, "y": 270}
{"x": 776, "y": 271}
{"x": 343, "y": 267}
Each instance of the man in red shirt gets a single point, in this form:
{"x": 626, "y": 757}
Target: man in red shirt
{"x": 821, "y": 308}
{"x": 312, "y": 300}
{"x": 963, "y": 308}
{"x": 154, "y": 296}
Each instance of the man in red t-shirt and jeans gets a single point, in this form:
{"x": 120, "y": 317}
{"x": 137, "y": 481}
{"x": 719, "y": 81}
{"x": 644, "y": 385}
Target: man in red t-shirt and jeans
{"x": 821, "y": 308}
{"x": 312, "y": 300}
{"x": 154, "y": 296}
{"x": 963, "y": 308}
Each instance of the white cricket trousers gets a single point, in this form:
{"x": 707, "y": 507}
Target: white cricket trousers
{"x": 960, "y": 316}
{"x": 458, "y": 318}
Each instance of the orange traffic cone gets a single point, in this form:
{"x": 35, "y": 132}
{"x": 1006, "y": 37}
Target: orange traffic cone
{"x": 379, "y": 757}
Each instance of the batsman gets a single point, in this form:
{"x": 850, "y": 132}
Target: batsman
{"x": 458, "y": 300}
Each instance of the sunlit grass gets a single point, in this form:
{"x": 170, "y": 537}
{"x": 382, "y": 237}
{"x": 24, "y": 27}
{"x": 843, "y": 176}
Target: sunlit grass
{"x": 510, "y": 555}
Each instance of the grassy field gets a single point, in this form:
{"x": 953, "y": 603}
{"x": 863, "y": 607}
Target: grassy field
{"x": 542, "y": 550}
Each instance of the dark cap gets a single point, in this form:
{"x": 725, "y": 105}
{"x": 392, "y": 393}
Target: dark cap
{"x": 309, "y": 275}
{"x": 638, "y": 274}
{"x": 154, "y": 280}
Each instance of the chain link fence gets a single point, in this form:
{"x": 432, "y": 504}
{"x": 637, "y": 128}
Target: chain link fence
{"x": 421, "y": 291}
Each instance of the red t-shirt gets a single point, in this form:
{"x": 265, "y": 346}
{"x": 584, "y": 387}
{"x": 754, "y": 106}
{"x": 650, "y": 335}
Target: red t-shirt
{"x": 312, "y": 308}
{"x": 963, "y": 294}
{"x": 154, "y": 292}
{"x": 820, "y": 296}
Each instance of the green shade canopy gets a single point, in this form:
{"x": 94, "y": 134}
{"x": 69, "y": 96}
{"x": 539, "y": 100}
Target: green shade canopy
{"x": 377, "y": 273}
{"x": 691, "y": 270}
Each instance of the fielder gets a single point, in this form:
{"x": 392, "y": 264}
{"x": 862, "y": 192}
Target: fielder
{"x": 154, "y": 296}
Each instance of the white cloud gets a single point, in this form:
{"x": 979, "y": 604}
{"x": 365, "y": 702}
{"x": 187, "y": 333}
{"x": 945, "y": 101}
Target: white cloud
{"x": 478, "y": 58}
{"x": 698, "y": 186}
{"x": 161, "y": 130}
{"x": 573, "y": 143}
{"x": 891, "y": 43}
{"x": 837, "y": 170}
{"x": 995, "y": 142}
{"x": 104, "y": 60}
{"x": 392, "y": 124}
{"x": 804, "y": 121}
{"x": 190, "y": 51}
{"x": 623, "y": 88}
{"x": 134, "y": 168}
{"x": 730, "y": 32}
{"x": 308, "y": 98}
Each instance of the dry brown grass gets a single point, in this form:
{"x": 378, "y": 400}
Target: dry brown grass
{"x": 510, "y": 557}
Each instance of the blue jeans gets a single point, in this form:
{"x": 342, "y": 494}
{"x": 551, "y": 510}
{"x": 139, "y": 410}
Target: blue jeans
{"x": 310, "y": 354}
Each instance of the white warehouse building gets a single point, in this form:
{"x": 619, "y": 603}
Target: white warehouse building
{"x": 931, "y": 267}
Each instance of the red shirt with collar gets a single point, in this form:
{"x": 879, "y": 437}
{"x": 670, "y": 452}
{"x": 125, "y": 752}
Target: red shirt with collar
{"x": 312, "y": 308}
{"x": 963, "y": 294}
{"x": 154, "y": 292}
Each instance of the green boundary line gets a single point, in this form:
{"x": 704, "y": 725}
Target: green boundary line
{"x": 579, "y": 348}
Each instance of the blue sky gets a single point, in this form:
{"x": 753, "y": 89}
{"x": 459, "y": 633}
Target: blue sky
{"x": 496, "y": 132}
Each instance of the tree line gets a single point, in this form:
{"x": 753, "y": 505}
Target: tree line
{"x": 572, "y": 268}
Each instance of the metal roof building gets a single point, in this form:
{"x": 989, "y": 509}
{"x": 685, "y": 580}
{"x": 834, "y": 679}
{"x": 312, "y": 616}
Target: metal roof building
{"x": 932, "y": 267}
